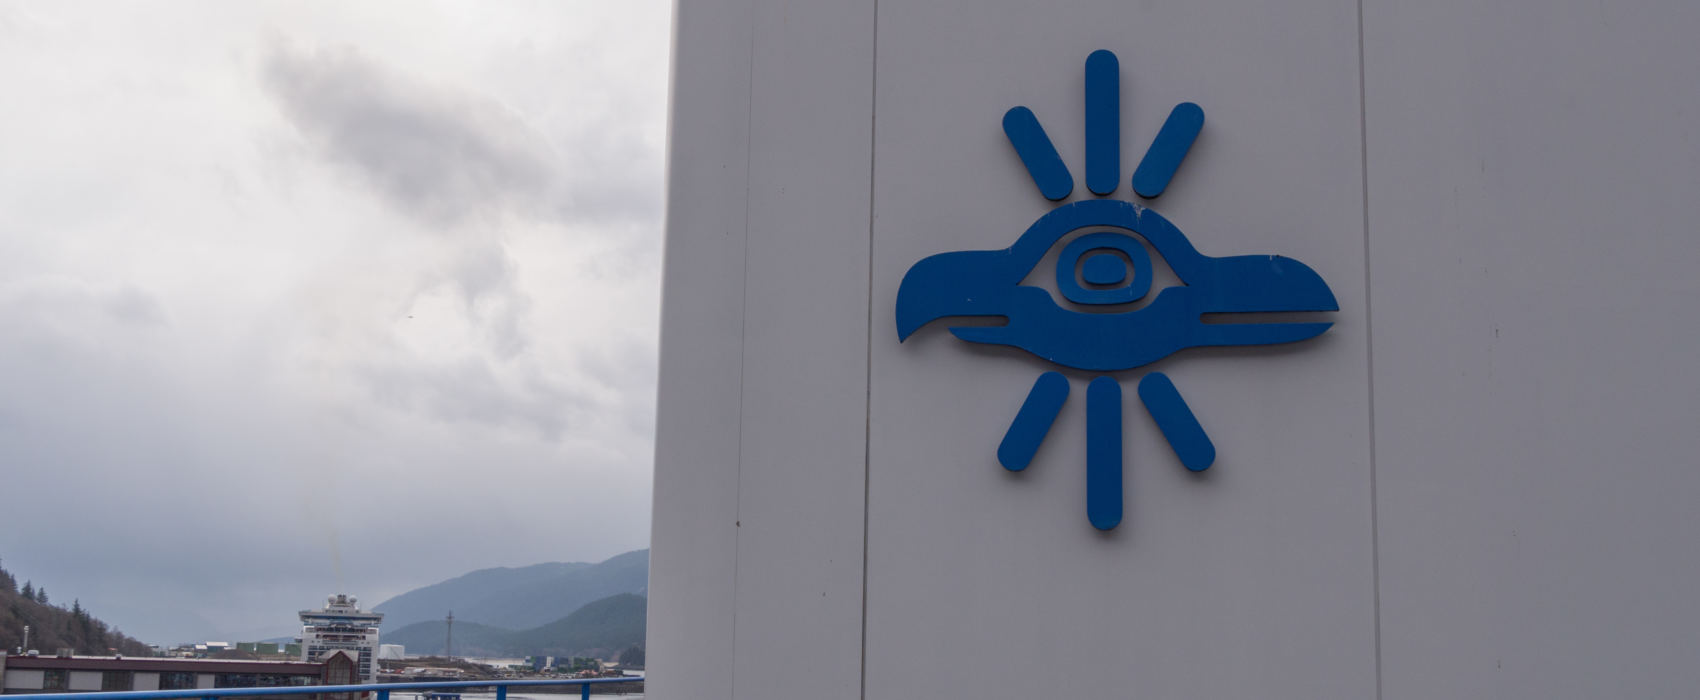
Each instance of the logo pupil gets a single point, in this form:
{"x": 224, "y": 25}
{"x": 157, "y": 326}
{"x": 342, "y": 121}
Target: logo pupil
{"x": 1103, "y": 269}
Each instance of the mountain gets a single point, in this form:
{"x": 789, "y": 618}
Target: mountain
{"x": 601, "y": 628}
{"x": 470, "y": 639}
{"x": 517, "y": 598}
{"x": 52, "y": 627}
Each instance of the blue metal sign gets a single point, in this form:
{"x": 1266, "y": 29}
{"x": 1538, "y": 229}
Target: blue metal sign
{"x": 1114, "y": 271}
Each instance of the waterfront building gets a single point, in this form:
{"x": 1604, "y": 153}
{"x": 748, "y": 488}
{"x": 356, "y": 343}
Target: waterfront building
{"x": 27, "y": 674}
{"x": 342, "y": 625}
{"x": 1479, "y": 481}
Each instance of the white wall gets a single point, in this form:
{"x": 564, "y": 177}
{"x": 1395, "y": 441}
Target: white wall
{"x": 146, "y": 681}
{"x": 1532, "y": 176}
{"x": 1256, "y": 576}
{"x": 769, "y": 104}
{"x": 84, "y": 680}
{"x": 25, "y": 678}
{"x": 1480, "y": 482}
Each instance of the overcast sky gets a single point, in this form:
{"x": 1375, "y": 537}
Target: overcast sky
{"x": 299, "y": 298}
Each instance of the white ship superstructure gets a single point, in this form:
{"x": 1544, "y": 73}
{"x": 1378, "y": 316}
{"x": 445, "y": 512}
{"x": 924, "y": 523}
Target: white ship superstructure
{"x": 341, "y": 624}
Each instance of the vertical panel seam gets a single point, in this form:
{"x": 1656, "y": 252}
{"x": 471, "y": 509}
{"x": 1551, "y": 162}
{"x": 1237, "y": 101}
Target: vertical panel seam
{"x": 1369, "y": 352}
{"x": 868, "y": 368}
{"x": 743, "y": 343}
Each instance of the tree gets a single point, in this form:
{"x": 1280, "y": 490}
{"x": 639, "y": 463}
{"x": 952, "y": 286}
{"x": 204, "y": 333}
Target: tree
{"x": 632, "y": 656}
{"x": 41, "y": 595}
{"x": 29, "y": 591}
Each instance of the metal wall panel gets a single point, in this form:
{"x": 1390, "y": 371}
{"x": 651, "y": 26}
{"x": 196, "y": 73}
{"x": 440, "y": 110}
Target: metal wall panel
{"x": 1485, "y": 492}
{"x": 693, "y": 548}
{"x": 25, "y": 679}
{"x": 84, "y": 680}
{"x": 1253, "y": 580}
{"x": 146, "y": 681}
{"x": 760, "y": 468}
{"x": 801, "y": 485}
{"x": 1532, "y": 173}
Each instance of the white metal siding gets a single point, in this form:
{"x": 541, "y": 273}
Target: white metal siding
{"x": 24, "y": 678}
{"x": 146, "y": 681}
{"x": 1480, "y": 482}
{"x": 84, "y": 680}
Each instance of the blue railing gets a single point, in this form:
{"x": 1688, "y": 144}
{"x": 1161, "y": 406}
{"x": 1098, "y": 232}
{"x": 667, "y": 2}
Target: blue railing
{"x": 380, "y": 690}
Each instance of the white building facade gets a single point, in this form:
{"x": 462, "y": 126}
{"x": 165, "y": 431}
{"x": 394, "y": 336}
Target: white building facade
{"x": 1479, "y": 482}
{"x": 342, "y": 625}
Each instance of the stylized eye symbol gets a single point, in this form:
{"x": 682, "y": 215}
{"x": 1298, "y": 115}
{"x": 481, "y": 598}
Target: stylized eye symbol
{"x": 1111, "y": 255}
{"x": 1109, "y": 277}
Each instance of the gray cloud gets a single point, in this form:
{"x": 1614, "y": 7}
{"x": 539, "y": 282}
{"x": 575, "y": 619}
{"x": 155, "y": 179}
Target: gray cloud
{"x": 132, "y": 305}
{"x": 450, "y": 155}
{"x": 433, "y": 153}
{"x": 64, "y": 302}
{"x": 464, "y": 165}
{"x": 467, "y": 166}
{"x": 485, "y": 277}
{"x": 469, "y": 390}
{"x": 280, "y": 322}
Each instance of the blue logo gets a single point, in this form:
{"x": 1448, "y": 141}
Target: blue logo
{"x": 1105, "y": 272}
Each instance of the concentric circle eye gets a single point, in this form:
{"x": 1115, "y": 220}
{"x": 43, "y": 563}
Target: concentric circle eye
{"x": 1095, "y": 255}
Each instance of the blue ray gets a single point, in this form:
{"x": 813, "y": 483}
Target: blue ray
{"x": 1168, "y": 150}
{"x": 1033, "y": 421}
{"x": 1104, "y": 453}
{"x": 1103, "y": 122}
{"x": 1037, "y": 153}
{"x": 1176, "y": 421}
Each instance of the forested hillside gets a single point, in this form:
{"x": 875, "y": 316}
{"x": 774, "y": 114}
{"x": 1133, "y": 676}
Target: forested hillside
{"x": 601, "y": 628}
{"x": 53, "y": 626}
{"x": 518, "y": 598}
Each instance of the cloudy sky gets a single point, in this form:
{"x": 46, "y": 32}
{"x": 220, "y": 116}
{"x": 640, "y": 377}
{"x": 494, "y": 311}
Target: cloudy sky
{"x": 307, "y": 297}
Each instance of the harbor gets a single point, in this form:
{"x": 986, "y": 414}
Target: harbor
{"x": 339, "y": 644}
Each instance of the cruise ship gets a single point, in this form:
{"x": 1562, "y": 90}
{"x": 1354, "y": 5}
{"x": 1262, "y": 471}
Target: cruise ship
{"x": 341, "y": 624}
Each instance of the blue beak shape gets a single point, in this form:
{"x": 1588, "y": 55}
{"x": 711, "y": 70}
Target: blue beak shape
{"x": 988, "y": 283}
{"x": 966, "y": 283}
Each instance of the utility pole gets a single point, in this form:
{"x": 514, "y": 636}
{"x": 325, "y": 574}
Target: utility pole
{"x": 25, "y": 648}
{"x": 449, "y": 636}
